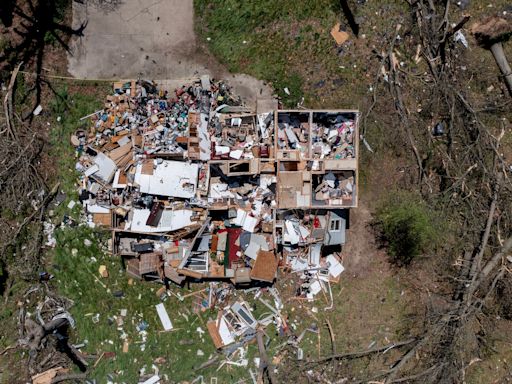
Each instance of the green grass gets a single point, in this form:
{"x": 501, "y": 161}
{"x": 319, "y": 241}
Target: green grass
{"x": 256, "y": 37}
{"x": 75, "y": 267}
{"x": 78, "y": 278}
{"x": 288, "y": 43}
{"x": 70, "y": 107}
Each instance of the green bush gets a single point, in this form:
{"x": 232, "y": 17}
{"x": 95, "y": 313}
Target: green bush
{"x": 407, "y": 226}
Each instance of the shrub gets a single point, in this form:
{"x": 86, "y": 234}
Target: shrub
{"x": 406, "y": 226}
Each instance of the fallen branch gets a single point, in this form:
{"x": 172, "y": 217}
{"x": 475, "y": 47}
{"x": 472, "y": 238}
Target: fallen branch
{"x": 208, "y": 363}
{"x": 401, "y": 363}
{"x": 416, "y": 376}
{"x": 8, "y": 101}
{"x": 357, "y": 355}
{"x": 70, "y": 376}
{"x": 265, "y": 364}
{"x": 477, "y": 260}
{"x": 29, "y": 218}
{"x": 8, "y": 349}
{"x": 331, "y": 333}
{"x": 507, "y": 246}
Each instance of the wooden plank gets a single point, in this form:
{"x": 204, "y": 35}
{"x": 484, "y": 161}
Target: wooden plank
{"x": 102, "y": 219}
{"x": 214, "y": 334}
{"x": 265, "y": 267}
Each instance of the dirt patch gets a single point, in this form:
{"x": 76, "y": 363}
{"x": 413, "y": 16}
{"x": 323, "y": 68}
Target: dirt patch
{"x": 361, "y": 250}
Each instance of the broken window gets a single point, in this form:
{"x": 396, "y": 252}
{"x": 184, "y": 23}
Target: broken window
{"x": 335, "y": 225}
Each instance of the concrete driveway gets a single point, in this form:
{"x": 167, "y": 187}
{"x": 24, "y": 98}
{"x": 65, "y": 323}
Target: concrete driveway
{"x": 131, "y": 38}
{"x": 151, "y": 39}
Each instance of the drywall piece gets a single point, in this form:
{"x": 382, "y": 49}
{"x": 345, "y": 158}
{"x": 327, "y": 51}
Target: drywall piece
{"x": 222, "y": 241}
{"x": 315, "y": 287}
{"x": 314, "y": 254}
{"x": 169, "y": 178}
{"x": 225, "y": 333}
{"x": 292, "y": 138}
{"x": 171, "y": 220}
{"x": 335, "y": 267}
{"x": 107, "y": 167}
{"x": 237, "y": 154}
{"x": 298, "y": 264}
{"x": 91, "y": 170}
{"x": 95, "y": 208}
{"x": 152, "y": 380}
{"x": 164, "y": 317}
{"x": 222, "y": 150}
{"x": 304, "y": 232}
{"x": 252, "y": 250}
{"x": 291, "y": 236}
{"x": 244, "y": 220}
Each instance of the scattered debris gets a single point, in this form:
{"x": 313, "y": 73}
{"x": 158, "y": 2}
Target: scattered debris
{"x": 152, "y": 380}
{"x": 103, "y": 271}
{"x": 191, "y": 181}
{"x": 47, "y": 377}
{"x": 38, "y": 110}
{"x": 338, "y": 34}
{"x": 164, "y": 317}
{"x": 195, "y": 186}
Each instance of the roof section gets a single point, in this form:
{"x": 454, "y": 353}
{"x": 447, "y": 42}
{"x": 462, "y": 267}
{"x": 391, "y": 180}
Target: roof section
{"x": 169, "y": 178}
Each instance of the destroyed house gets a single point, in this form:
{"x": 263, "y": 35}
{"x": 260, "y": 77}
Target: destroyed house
{"x": 316, "y": 153}
{"x": 195, "y": 188}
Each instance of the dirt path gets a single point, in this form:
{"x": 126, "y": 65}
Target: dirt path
{"x": 360, "y": 248}
{"x": 152, "y": 39}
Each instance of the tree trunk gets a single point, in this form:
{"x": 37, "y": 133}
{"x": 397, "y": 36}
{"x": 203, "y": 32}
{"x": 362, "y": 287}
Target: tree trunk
{"x": 501, "y": 60}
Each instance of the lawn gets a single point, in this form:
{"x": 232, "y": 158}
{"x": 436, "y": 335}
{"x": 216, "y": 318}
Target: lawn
{"x": 289, "y": 44}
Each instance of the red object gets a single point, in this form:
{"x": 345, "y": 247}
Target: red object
{"x": 316, "y": 222}
{"x": 233, "y": 235}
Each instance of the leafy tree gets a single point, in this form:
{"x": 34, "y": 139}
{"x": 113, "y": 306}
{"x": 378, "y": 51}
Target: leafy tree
{"x": 407, "y": 226}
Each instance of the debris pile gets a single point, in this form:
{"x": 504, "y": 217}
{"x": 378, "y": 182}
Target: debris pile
{"x": 196, "y": 186}
{"x": 333, "y": 136}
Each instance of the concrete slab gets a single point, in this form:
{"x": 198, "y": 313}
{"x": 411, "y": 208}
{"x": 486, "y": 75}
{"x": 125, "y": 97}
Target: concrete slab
{"x": 144, "y": 38}
{"x": 150, "y": 39}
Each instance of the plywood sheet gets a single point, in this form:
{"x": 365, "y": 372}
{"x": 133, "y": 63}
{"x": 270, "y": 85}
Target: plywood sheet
{"x": 265, "y": 267}
{"x": 214, "y": 334}
{"x": 103, "y": 219}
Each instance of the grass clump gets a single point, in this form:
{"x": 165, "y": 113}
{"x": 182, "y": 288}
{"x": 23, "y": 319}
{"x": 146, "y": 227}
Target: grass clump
{"x": 407, "y": 226}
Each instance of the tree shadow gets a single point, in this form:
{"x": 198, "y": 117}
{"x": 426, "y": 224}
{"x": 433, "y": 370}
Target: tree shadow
{"x": 35, "y": 24}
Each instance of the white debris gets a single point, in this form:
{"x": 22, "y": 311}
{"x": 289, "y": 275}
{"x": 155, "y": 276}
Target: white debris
{"x": 459, "y": 36}
{"x": 38, "y": 110}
